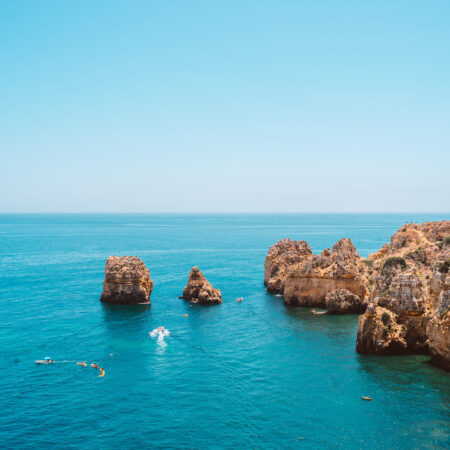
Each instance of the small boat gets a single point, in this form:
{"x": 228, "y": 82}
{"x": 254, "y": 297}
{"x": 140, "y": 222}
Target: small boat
{"x": 318, "y": 312}
{"x": 45, "y": 361}
{"x": 368, "y": 399}
{"x": 82, "y": 363}
{"x": 102, "y": 372}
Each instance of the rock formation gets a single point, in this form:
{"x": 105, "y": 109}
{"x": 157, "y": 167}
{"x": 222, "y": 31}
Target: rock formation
{"x": 382, "y": 334}
{"x": 342, "y": 301}
{"x": 305, "y": 279}
{"x": 127, "y": 281}
{"x": 404, "y": 287}
{"x": 438, "y": 328}
{"x": 280, "y": 259}
{"x": 409, "y": 300}
{"x": 199, "y": 290}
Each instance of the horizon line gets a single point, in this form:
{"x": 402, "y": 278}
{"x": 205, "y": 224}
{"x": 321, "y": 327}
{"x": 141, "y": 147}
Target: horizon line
{"x": 222, "y": 212}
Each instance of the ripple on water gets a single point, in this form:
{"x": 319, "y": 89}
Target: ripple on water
{"x": 244, "y": 375}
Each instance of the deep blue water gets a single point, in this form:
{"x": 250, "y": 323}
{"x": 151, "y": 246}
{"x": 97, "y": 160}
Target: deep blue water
{"x": 250, "y": 375}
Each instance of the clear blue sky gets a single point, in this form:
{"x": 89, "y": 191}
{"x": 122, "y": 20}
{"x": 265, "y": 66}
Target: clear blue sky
{"x": 224, "y": 106}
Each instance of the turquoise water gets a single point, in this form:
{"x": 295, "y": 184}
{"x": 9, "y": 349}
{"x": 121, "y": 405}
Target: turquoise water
{"x": 239, "y": 375}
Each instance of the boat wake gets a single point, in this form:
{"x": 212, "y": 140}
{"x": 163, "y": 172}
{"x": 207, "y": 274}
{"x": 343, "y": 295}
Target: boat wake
{"x": 160, "y": 333}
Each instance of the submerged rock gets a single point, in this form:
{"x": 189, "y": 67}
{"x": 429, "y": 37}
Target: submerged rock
{"x": 127, "y": 281}
{"x": 342, "y": 301}
{"x": 199, "y": 289}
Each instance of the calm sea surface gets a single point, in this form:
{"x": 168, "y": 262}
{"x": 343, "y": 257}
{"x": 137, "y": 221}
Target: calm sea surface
{"x": 239, "y": 375}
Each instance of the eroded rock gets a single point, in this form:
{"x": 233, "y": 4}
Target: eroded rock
{"x": 280, "y": 259}
{"x": 342, "y": 301}
{"x": 379, "y": 332}
{"x": 310, "y": 280}
{"x": 438, "y": 328}
{"x": 410, "y": 284}
{"x": 127, "y": 281}
{"x": 199, "y": 289}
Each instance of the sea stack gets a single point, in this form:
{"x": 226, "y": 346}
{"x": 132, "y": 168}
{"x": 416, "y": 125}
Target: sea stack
{"x": 127, "y": 281}
{"x": 199, "y": 290}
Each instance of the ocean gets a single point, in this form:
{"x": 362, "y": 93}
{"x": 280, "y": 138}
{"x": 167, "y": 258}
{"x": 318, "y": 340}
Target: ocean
{"x": 255, "y": 374}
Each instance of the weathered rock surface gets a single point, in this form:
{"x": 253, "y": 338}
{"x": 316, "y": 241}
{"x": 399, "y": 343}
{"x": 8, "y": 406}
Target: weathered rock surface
{"x": 127, "y": 281}
{"x": 378, "y": 332}
{"x": 411, "y": 286}
{"x": 199, "y": 289}
{"x": 309, "y": 280}
{"x": 405, "y": 285}
{"x": 280, "y": 259}
{"x": 438, "y": 328}
{"x": 342, "y": 301}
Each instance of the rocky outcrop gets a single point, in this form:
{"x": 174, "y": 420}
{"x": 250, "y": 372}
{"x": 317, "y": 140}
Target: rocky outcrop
{"x": 379, "y": 333}
{"x": 438, "y": 328}
{"x": 310, "y": 280}
{"x": 279, "y": 261}
{"x": 405, "y": 287}
{"x": 342, "y": 301}
{"x": 127, "y": 281}
{"x": 409, "y": 300}
{"x": 199, "y": 290}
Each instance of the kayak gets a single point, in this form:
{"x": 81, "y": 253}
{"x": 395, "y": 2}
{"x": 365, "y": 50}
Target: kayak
{"x": 81, "y": 363}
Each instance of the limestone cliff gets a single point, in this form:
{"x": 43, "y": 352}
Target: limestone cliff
{"x": 342, "y": 301}
{"x": 199, "y": 289}
{"x": 310, "y": 280}
{"x": 438, "y": 329}
{"x": 409, "y": 301}
{"x": 127, "y": 281}
{"x": 405, "y": 287}
{"x": 280, "y": 259}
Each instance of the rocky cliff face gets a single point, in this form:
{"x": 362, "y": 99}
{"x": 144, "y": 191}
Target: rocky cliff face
{"x": 127, "y": 281}
{"x": 438, "y": 328}
{"x": 342, "y": 301}
{"x": 409, "y": 299}
{"x": 405, "y": 287}
{"x": 280, "y": 258}
{"x": 309, "y": 280}
{"x": 199, "y": 289}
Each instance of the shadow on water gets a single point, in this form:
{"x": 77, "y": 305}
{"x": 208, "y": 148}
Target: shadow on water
{"x": 329, "y": 324}
{"x": 126, "y": 325}
{"x": 405, "y": 370}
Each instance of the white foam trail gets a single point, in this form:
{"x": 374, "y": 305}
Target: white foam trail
{"x": 161, "y": 333}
